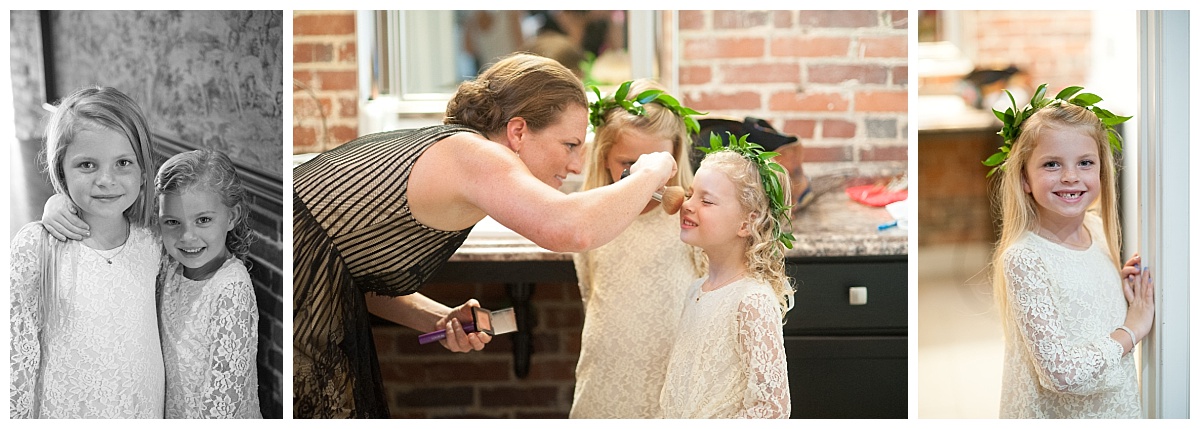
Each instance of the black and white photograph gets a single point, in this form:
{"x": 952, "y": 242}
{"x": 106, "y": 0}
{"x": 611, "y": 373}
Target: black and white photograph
{"x": 146, "y": 214}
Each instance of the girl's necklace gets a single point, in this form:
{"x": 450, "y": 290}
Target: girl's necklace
{"x": 119, "y": 249}
{"x": 1055, "y": 239}
{"x": 721, "y": 285}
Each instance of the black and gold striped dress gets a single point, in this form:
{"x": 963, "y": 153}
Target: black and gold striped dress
{"x": 354, "y": 233}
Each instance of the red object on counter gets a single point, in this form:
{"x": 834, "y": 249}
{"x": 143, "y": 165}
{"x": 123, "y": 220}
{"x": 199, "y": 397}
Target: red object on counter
{"x": 875, "y": 195}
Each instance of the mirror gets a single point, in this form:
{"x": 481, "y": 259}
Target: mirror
{"x": 417, "y": 58}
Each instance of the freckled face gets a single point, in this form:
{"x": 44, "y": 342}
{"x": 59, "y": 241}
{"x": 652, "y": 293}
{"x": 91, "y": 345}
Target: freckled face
{"x": 194, "y": 224}
{"x": 556, "y": 151}
{"x": 101, "y": 173}
{"x": 712, "y": 216}
{"x": 1063, "y": 175}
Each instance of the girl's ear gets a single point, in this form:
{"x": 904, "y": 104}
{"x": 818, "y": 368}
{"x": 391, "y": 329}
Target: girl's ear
{"x": 744, "y": 229}
{"x": 1025, "y": 183}
{"x": 235, "y": 213}
{"x": 516, "y": 131}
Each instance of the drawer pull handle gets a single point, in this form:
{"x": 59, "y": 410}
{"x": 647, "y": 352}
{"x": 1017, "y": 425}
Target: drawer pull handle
{"x": 858, "y": 295}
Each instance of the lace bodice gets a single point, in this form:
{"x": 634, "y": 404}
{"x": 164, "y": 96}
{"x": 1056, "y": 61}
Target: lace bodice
{"x": 210, "y": 343}
{"x": 98, "y": 353}
{"x": 1059, "y": 360}
{"x": 728, "y": 359}
{"x": 640, "y": 276}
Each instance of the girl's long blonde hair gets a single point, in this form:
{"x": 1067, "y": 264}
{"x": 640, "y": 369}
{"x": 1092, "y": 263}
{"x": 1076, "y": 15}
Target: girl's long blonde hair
{"x": 1018, "y": 211}
{"x": 764, "y": 254}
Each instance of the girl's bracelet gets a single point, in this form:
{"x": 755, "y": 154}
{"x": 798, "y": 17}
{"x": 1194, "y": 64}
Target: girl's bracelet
{"x": 1132, "y": 337}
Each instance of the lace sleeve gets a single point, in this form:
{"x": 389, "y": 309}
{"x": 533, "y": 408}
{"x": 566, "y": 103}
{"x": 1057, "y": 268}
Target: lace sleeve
{"x": 23, "y": 299}
{"x": 1060, "y": 366}
{"x": 583, "y": 271}
{"x": 760, "y": 337}
{"x": 234, "y": 334}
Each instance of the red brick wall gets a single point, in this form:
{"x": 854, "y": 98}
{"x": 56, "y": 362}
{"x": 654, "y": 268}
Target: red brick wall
{"x": 325, "y": 85}
{"x": 836, "y": 79}
{"x": 1052, "y": 46}
{"x": 428, "y": 381}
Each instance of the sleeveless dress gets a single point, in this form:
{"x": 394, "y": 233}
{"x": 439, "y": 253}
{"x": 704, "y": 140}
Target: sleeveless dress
{"x": 354, "y": 233}
{"x": 210, "y": 343}
{"x": 1059, "y": 360}
{"x": 97, "y": 352}
{"x": 642, "y": 275}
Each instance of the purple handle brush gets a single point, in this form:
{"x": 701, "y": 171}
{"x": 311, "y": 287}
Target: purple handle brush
{"x": 440, "y": 334}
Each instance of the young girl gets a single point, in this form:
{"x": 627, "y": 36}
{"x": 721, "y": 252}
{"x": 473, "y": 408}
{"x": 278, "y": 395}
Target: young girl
{"x": 84, "y": 331}
{"x": 1068, "y": 328}
{"x": 207, "y": 307}
{"x": 728, "y": 359}
{"x": 641, "y": 275}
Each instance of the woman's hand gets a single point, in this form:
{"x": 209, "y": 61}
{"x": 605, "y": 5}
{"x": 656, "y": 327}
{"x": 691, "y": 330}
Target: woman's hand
{"x": 661, "y": 164}
{"x": 1139, "y": 293}
{"x": 456, "y": 339}
{"x": 61, "y": 219}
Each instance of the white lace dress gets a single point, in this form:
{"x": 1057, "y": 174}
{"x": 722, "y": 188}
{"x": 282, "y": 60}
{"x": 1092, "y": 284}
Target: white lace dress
{"x": 728, "y": 359}
{"x": 1059, "y": 360}
{"x": 210, "y": 344}
{"x": 633, "y": 291}
{"x": 98, "y": 354}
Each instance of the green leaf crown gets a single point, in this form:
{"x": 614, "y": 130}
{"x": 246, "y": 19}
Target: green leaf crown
{"x": 1013, "y": 117}
{"x": 767, "y": 169}
{"x": 636, "y": 105}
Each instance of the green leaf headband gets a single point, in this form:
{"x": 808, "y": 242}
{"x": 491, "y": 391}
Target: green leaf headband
{"x": 636, "y": 106}
{"x": 780, "y": 210}
{"x": 1013, "y": 117}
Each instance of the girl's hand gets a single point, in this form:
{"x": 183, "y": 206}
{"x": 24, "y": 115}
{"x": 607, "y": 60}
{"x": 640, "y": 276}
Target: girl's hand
{"x": 1139, "y": 293}
{"x": 661, "y": 164}
{"x": 456, "y": 339}
{"x": 61, "y": 219}
{"x": 1132, "y": 266}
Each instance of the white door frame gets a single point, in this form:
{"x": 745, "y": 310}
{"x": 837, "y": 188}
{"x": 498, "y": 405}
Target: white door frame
{"x": 1163, "y": 202}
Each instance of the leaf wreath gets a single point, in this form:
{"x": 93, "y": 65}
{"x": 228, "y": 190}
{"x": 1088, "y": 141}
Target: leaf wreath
{"x": 1013, "y": 117}
{"x": 767, "y": 169}
{"x": 636, "y": 105}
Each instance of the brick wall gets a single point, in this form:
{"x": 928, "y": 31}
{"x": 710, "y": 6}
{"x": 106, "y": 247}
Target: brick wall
{"x": 836, "y": 79}
{"x": 1052, "y": 46}
{"x": 428, "y": 381}
{"x": 325, "y": 80}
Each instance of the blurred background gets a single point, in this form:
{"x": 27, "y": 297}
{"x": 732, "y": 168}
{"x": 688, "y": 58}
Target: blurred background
{"x": 966, "y": 59}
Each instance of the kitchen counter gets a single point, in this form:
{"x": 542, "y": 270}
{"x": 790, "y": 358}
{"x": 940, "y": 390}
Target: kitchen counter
{"x": 833, "y": 225}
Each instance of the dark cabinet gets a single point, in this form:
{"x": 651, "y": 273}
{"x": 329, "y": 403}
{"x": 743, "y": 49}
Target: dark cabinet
{"x": 848, "y": 358}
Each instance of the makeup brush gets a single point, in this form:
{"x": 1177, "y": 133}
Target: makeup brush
{"x": 671, "y": 198}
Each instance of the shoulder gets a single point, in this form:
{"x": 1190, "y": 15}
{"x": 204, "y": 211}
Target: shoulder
{"x": 1026, "y": 246}
{"x": 756, "y": 293}
{"x": 31, "y": 234}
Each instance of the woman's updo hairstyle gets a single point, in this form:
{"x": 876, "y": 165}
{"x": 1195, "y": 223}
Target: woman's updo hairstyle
{"x": 535, "y": 88}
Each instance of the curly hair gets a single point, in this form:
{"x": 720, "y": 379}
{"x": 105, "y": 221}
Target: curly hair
{"x": 214, "y": 172}
{"x": 764, "y": 254}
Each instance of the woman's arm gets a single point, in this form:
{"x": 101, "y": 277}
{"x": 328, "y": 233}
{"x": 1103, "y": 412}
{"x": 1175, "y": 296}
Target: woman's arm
{"x": 231, "y": 386}
{"x": 468, "y": 176}
{"x": 24, "y": 293}
{"x": 760, "y": 341}
{"x": 1061, "y": 367}
{"x": 426, "y": 315}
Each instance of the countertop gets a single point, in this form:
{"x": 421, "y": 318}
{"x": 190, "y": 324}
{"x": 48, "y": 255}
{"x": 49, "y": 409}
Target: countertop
{"x": 832, "y": 226}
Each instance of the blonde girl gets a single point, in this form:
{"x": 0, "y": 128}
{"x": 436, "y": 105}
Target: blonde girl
{"x": 1058, "y": 282}
{"x": 728, "y": 360}
{"x": 84, "y": 331}
{"x": 641, "y": 275}
{"x": 207, "y": 308}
